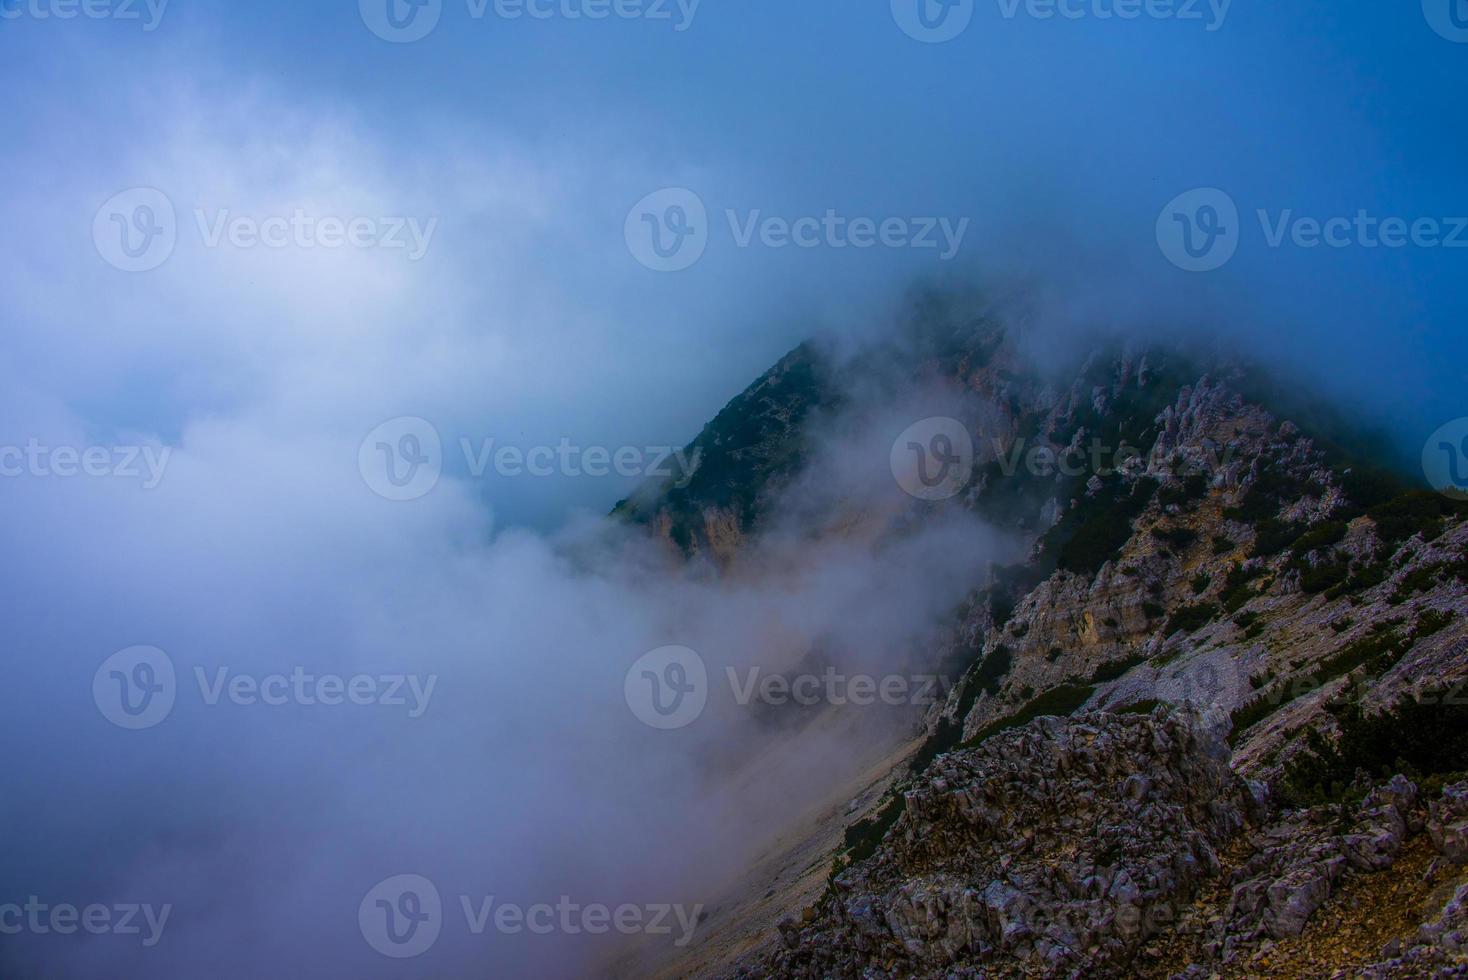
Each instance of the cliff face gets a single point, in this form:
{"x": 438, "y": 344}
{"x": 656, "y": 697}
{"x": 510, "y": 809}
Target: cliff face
{"x": 1247, "y": 648}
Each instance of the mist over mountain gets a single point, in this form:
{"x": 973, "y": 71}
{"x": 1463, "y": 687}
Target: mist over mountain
{"x": 474, "y": 471}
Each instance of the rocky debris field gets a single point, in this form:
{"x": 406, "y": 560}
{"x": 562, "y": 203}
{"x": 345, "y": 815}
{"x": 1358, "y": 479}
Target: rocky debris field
{"x": 1123, "y": 845}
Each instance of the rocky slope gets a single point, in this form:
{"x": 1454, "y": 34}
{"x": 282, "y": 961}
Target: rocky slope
{"x": 1246, "y": 645}
{"x": 1114, "y": 845}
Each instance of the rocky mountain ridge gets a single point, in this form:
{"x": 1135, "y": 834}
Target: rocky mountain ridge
{"x": 1225, "y": 636}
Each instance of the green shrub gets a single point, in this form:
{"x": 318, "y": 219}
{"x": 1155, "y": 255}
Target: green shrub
{"x": 1419, "y": 580}
{"x": 981, "y": 678}
{"x": 993, "y": 670}
{"x": 1116, "y": 669}
{"x": 1237, "y": 588}
{"x": 1100, "y": 526}
{"x": 1315, "y": 579}
{"x": 1368, "y": 577}
{"x": 1377, "y": 652}
{"x": 1011, "y": 584}
{"x": 865, "y": 836}
{"x": 1267, "y": 496}
{"x": 1433, "y": 621}
{"x": 1194, "y": 487}
{"x": 1177, "y": 538}
{"x": 1419, "y": 738}
{"x": 1368, "y": 486}
{"x": 1323, "y": 535}
{"x": 1222, "y": 546}
{"x": 1251, "y": 713}
{"x": 1273, "y": 536}
{"x": 1414, "y": 512}
{"x": 1062, "y": 701}
{"x": 1201, "y": 581}
{"x": 1191, "y": 618}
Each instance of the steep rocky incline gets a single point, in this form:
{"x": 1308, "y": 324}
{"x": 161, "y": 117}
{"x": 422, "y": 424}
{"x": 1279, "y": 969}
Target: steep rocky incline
{"x": 1199, "y": 550}
{"x": 1113, "y": 845}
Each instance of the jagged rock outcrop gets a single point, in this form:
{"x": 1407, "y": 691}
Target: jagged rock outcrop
{"x": 1298, "y": 860}
{"x": 1055, "y": 848}
{"x": 1448, "y": 823}
{"x": 1110, "y": 846}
